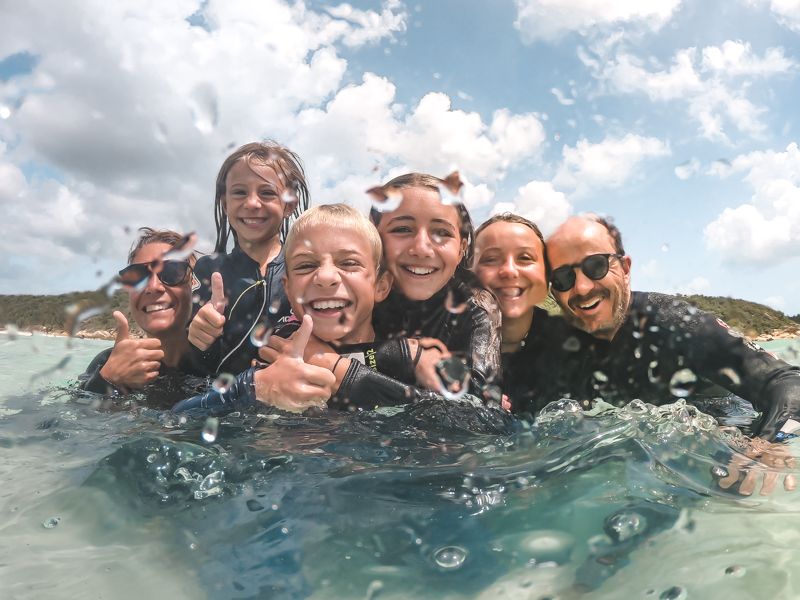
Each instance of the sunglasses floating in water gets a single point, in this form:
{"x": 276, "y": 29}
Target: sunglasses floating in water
{"x": 169, "y": 272}
{"x": 594, "y": 266}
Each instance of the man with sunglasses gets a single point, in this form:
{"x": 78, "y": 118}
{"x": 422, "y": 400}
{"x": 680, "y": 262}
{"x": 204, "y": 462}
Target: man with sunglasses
{"x": 620, "y": 345}
{"x": 158, "y": 279}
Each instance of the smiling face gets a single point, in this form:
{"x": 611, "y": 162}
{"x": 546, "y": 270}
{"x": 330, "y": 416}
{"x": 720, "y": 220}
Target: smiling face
{"x": 598, "y": 307}
{"x": 332, "y": 276}
{"x": 510, "y": 263}
{"x": 253, "y": 204}
{"x": 161, "y": 311}
{"x": 422, "y": 245}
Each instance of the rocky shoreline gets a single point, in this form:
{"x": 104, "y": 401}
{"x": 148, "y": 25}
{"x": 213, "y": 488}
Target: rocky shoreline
{"x": 83, "y": 334}
{"x": 783, "y": 333}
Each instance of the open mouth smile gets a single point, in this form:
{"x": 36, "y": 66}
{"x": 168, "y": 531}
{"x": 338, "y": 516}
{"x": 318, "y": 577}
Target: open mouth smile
{"x": 419, "y": 271}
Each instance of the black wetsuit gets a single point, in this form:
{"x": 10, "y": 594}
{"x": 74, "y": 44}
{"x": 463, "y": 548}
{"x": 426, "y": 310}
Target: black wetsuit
{"x": 171, "y": 385}
{"x": 665, "y": 349}
{"x": 466, "y": 320}
{"x": 252, "y": 299}
{"x": 378, "y": 375}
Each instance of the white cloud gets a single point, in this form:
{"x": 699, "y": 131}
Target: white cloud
{"x": 786, "y": 11}
{"x": 776, "y": 302}
{"x": 707, "y": 81}
{"x": 540, "y": 202}
{"x": 698, "y": 285}
{"x": 562, "y": 99}
{"x": 687, "y": 169}
{"x": 767, "y": 228}
{"x": 549, "y": 20}
{"x": 609, "y": 163}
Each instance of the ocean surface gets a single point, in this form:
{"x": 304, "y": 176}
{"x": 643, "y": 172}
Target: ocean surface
{"x": 437, "y": 500}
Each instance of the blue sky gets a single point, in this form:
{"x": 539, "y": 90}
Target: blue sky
{"x": 677, "y": 118}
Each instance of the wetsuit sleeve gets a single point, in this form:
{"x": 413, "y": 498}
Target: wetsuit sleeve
{"x": 361, "y": 387}
{"x": 483, "y": 350}
{"x": 92, "y": 381}
{"x": 737, "y": 364}
{"x": 239, "y": 395}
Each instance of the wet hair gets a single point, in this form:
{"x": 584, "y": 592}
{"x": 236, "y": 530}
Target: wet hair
{"x": 508, "y": 217}
{"x": 269, "y": 153}
{"x": 148, "y": 235}
{"x": 338, "y": 217}
{"x": 465, "y": 227}
{"x": 613, "y": 231}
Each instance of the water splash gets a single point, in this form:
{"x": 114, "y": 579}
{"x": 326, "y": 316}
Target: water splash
{"x": 450, "y": 558}
{"x": 51, "y": 523}
{"x": 210, "y": 430}
{"x": 223, "y": 383}
{"x": 385, "y": 199}
{"x": 260, "y": 335}
{"x": 204, "y": 105}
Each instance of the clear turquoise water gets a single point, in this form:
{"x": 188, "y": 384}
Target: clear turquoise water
{"x": 394, "y": 504}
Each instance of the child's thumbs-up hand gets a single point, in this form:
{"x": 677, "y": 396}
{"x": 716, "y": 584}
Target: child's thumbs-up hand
{"x": 207, "y": 324}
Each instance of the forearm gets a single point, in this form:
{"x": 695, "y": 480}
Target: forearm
{"x": 239, "y": 395}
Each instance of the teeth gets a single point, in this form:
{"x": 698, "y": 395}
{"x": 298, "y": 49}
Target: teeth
{"x": 510, "y": 292}
{"x": 252, "y": 221}
{"x": 154, "y": 307}
{"x": 420, "y": 270}
{"x": 324, "y": 304}
{"x": 590, "y": 304}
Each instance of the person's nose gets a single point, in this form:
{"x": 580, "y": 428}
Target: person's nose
{"x": 423, "y": 245}
{"x": 508, "y": 269}
{"x": 252, "y": 200}
{"x": 327, "y": 275}
{"x": 583, "y": 284}
{"x": 153, "y": 283}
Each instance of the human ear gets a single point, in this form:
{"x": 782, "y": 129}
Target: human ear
{"x": 383, "y": 286}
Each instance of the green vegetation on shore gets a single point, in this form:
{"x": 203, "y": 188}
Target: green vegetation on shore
{"x": 49, "y": 313}
{"x": 55, "y": 314}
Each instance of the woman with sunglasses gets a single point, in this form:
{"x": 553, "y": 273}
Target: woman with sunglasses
{"x": 160, "y": 303}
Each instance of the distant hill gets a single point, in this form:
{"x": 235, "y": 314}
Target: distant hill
{"x": 751, "y": 318}
{"x": 57, "y": 314}
{"x": 50, "y": 314}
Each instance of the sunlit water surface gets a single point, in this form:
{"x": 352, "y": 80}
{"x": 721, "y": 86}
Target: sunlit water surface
{"x": 434, "y": 501}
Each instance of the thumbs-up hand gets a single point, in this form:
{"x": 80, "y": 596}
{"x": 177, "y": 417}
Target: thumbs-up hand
{"x": 132, "y": 363}
{"x": 207, "y": 324}
{"x": 290, "y": 383}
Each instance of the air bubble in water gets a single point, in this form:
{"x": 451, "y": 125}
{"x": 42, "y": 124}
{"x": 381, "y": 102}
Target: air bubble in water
{"x": 719, "y": 471}
{"x": 205, "y": 107}
{"x": 260, "y": 335}
{"x": 682, "y": 383}
{"x": 223, "y": 383}
{"x": 624, "y": 525}
{"x": 736, "y": 571}
{"x": 454, "y": 376}
{"x": 51, "y": 522}
{"x": 571, "y": 344}
{"x": 151, "y": 458}
{"x": 385, "y": 199}
{"x": 455, "y": 302}
{"x": 210, "y": 429}
{"x": 450, "y": 557}
{"x": 676, "y": 592}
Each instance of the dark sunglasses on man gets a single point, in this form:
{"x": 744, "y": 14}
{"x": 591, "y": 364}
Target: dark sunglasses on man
{"x": 169, "y": 272}
{"x": 594, "y": 266}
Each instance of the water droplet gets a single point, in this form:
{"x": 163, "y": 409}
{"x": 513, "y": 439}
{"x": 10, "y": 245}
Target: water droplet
{"x": 289, "y": 197}
{"x": 260, "y": 335}
{"x": 731, "y": 375}
{"x": 373, "y": 589}
{"x": 51, "y": 522}
{"x": 183, "y": 473}
{"x": 151, "y": 458}
{"x": 600, "y": 379}
{"x": 254, "y": 505}
{"x": 548, "y": 545}
{"x": 210, "y": 430}
{"x": 454, "y": 376}
{"x": 736, "y": 571}
{"x": 674, "y": 593}
{"x": 624, "y": 525}
{"x": 5, "y": 111}
{"x": 450, "y": 557}
{"x": 223, "y": 383}
{"x": 682, "y": 383}
{"x": 210, "y": 486}
{"x": 205, "y": 107}
{"x": 12, "y": 331}
{"x": 719, "y": 471}
{"x": 571, "y": 344}
{"x": 385, "y": 199}
{"x": 183, "y": 249}
{"x": 275, "y": 306}
{"x": 665, "y": 247}
{"x": 456, "y": 301}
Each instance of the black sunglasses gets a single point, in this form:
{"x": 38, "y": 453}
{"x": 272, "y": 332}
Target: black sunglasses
{"x": 594, "y": 266}
{"x": 169, "y": 272}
